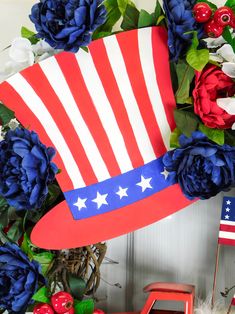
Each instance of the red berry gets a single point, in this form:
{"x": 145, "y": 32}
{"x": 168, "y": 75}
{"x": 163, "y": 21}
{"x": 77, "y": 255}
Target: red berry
{"x": 43, "y": 308}
{"x": 232, "y": 23}
{"x": 71, "y": 311}
{"x": 213, "y": 29}
{"x": 223, "y": 16}
{"x": 62, "y": 302}
{"x": 202, "y": 12}
{"x": 98, "y": 311}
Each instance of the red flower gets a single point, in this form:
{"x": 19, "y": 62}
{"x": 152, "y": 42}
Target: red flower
{"x": 211, "y": 84}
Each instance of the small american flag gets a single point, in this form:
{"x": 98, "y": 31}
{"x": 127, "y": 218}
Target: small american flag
{"x": 233, "y": 300}
{"x": 227, "y": 222}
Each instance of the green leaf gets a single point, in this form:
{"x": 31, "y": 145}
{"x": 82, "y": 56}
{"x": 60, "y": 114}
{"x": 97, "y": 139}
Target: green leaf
{"x": 85, "y": 49}
{"x": 113, "y": 15}
{"x": 229, "y": 3}
{"x": 197, "y": 59}
{"x": 6, "y": 114}
{"x": 122, "y": 4}
{"x": 229, "y": 137}
{"x": 77, "y": 286}
{"x": 130, "y": 19}
{"x": 185, "y": 75}
{"x": 31, "y": 36}
{"x": 26, "y": 246}
{"x": 212, "y": 5}
{"x": 160, "y": 19}
{"x": 44, "y": 259}
{"x": 214, "y": 135}
{"x": 84, "y": 307}
{"x": 228, "y": 37}
{"x": 41, "y": 295}
{"x": 186, "y": 121}
{"x": 101, "y": 35}
{"x": 158, "y": 10}
{"x": 174, "y": 139}
{"x": 145, "y": 19}
{"x": 15, "y": 231}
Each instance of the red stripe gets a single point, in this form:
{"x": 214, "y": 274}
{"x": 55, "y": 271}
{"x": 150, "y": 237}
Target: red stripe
{"x": 226, "y": 241}
{"x": 128, "y": 43}
{"x": 74, "y": 78}
{"x": 228, "y": 228}
{"x": 97, "y": 49}
{"x": 162, "y": 67}
{"x": 39, "y": 82}
{"x": 13, "y": 101}
{"x": 233, "y": 301}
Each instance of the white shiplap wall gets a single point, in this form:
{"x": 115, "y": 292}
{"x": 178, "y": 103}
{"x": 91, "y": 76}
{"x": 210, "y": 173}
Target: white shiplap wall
{"x": 181, "y": 248}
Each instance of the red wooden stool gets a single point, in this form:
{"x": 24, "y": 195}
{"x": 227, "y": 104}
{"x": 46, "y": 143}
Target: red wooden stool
{"x": 169, "y": 292}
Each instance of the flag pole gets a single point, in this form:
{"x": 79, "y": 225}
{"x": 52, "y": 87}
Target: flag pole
{"x": 215, "y": 275}
{"x": 229, "y": 309}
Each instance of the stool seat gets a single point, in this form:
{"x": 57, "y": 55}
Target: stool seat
{"x": 169, "y": 291}
{"x": 170, "y": 287}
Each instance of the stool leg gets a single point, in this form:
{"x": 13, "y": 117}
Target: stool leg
{"x": 190, "y": 305}
{"x": 186, "y": 307}
{"x": 149, "y": 303}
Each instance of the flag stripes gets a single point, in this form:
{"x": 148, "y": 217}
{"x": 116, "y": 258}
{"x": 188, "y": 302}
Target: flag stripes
{"x": 83, "y": 142}
{"x": 102, "y": 120}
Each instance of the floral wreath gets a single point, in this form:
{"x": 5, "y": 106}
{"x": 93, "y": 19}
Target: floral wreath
{"x": 201, "y": 41}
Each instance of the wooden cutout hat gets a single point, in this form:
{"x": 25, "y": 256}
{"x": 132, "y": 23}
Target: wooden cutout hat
{"x": 109, "y": 115}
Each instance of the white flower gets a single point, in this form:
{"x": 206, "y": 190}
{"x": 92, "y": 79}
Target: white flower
{"x": 13, "y": 124}
{"x": 227, "y": 53}
{"x": 228, "y": 105}
{"x": 21, "y": 51}
{"x": 226, "y": 56}
{"x": 214, "y": 42}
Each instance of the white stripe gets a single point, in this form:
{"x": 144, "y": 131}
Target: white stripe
{"x": 226, "y": 222}
{"x": 227, "y": 235}
{"x": 56, "y": 78}
{"x": 104, "y": 110}
{"x": 36, "y": 105}
{"x": 132, "y": 108}
{"x": 147, "y": 62}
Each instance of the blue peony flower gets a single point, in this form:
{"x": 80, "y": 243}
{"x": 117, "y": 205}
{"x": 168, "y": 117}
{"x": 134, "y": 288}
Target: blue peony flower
{"x": 201, "y": 167}
{"x": 180, "y": 20}
{"x": 25, "y": 169}
{"x": 67, "y": 24}
{"x": 19, "y": 279}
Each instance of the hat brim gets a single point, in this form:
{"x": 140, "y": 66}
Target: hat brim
{"x": 58, "y": 230}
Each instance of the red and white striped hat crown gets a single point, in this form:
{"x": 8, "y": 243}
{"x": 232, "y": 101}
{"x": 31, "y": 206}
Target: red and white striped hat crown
{"x": 109, "y": 115}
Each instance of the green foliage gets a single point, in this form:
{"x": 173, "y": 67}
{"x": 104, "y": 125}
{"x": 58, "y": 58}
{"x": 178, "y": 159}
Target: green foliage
{"x": 174, "y": 139}
{"x": 228, "y": 37}
{"x": 197, "y": 59}
{"x": 31, "y": 36}
{"x": 231, "y": 4}
{"x": 122, "y": 4}
{"x": 113, "y": 15}
{"x": 84, "y": 307}
{"x": 186, "y": 121}
{"x": 229, "y": 137}
{"x": 185, "y": 75}
{"x": 145, "y": 19}
{"x": 130, "y": 19}
{"x": 6, "y": 115}
{"x": 77, "y": 286}
{"x": 15, "y": 231}
{"x": 41, "y": 295}
{"x": 44, "y": 258}
{"x": 214, "y": 135}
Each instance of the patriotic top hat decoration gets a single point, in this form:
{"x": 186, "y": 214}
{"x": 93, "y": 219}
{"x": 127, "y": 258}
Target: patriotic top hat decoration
{"x": 109, "y": 114}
